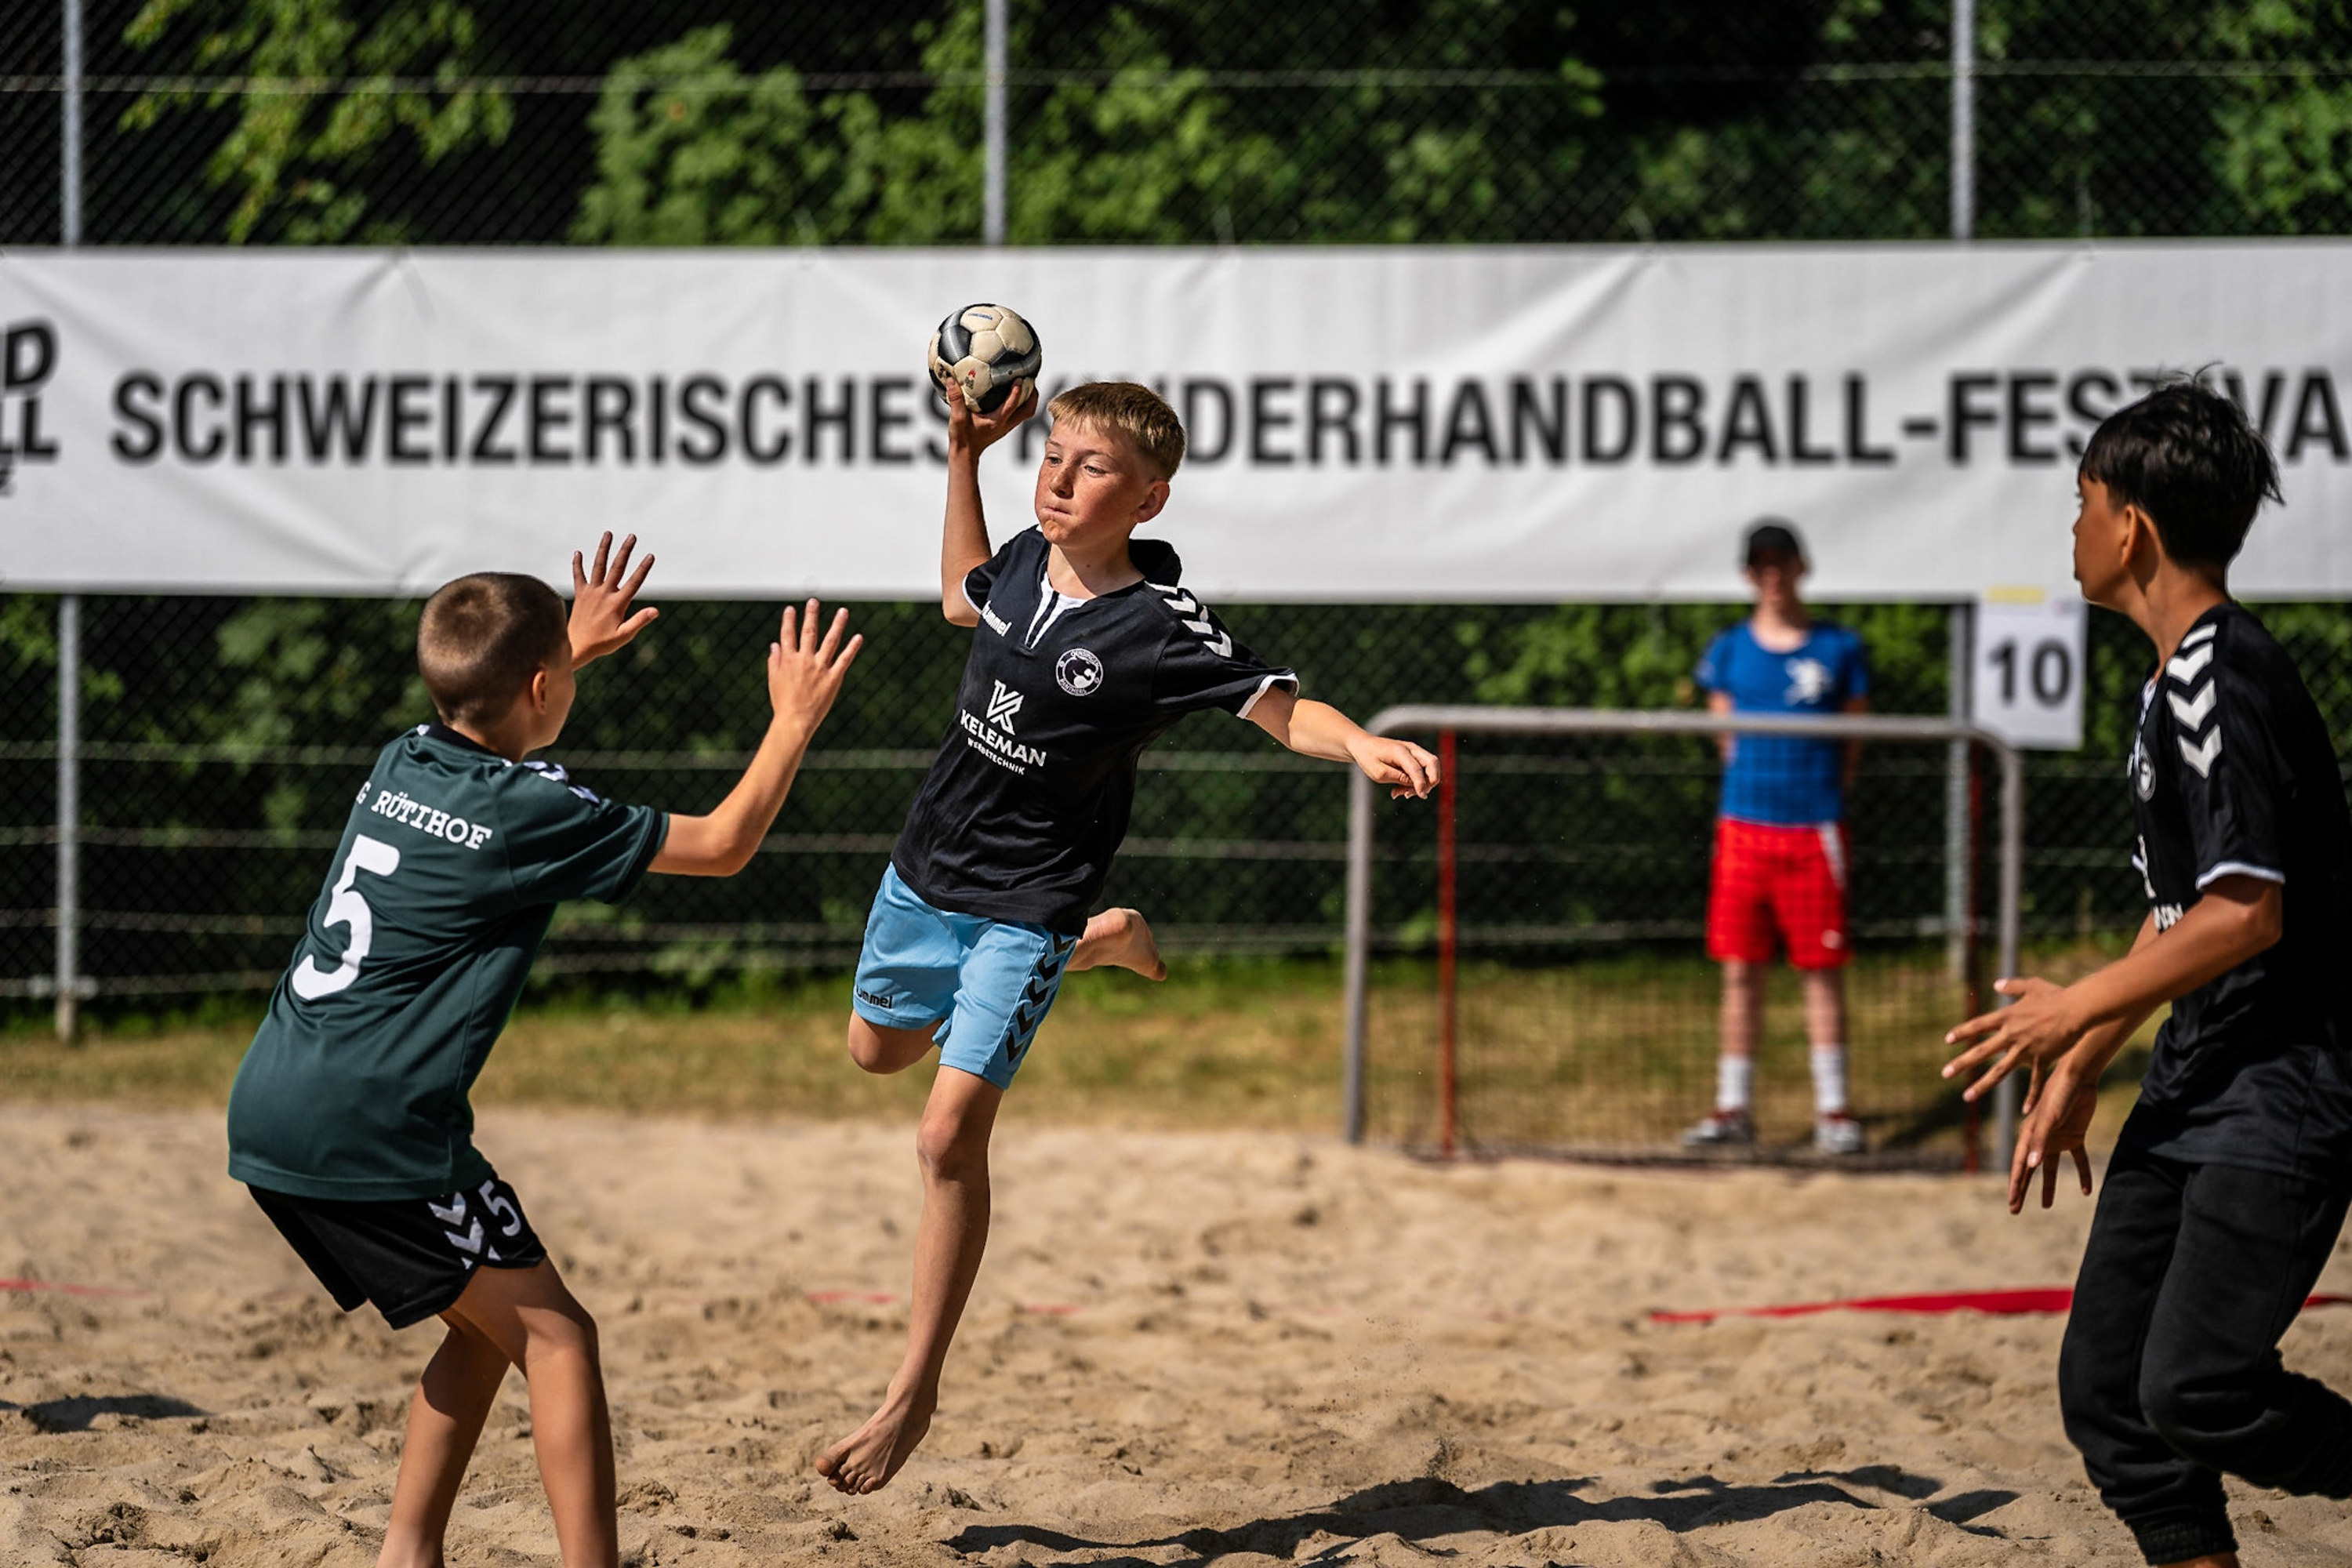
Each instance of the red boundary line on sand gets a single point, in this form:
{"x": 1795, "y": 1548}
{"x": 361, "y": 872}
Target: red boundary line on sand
{"x": 1999, "y": 1303}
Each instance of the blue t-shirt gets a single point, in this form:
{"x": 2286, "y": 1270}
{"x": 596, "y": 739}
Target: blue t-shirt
{"x": 1781, "y": 779}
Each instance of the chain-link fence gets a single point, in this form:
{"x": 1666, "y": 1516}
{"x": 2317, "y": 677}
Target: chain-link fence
{"x": 222, "y": 738}
{"x": 1199, "y": 121}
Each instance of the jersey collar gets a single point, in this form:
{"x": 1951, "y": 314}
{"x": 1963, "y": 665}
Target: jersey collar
{"x": 1157, "y": 560}
{"x": 437, "y": 731}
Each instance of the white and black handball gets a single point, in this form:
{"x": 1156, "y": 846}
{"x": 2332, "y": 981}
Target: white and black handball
{"x": 990, "y": 353}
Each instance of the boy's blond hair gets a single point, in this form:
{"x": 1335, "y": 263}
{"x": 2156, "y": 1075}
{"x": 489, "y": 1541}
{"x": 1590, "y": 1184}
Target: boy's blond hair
{"x": 1131, "y": 409}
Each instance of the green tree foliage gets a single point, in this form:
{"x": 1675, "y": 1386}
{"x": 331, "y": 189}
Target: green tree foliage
{"x": 339, "y": 105}
{"x": 693, "y": 150}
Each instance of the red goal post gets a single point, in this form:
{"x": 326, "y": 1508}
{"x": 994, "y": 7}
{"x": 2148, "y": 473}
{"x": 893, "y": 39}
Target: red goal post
{"x": 1447, "y": 722}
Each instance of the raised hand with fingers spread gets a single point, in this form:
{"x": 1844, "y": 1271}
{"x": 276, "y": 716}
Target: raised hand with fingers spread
{"x": 603, "y": 619}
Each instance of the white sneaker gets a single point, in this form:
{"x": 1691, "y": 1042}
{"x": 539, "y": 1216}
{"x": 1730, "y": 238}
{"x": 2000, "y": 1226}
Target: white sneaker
{"x": 1718, "y": 1129}
{"x": 1837, "y": 1134}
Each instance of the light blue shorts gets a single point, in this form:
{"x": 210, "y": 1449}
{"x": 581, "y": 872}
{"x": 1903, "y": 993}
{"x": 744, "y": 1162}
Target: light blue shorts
{"x": 987, "y": 985}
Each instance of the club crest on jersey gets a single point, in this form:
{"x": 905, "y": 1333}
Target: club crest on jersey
{"x": 1002, "y": 704}
{"x": 1809, "y": 681}
{"x": 2143, "y": 769}
{"x": 1078, "y": 672}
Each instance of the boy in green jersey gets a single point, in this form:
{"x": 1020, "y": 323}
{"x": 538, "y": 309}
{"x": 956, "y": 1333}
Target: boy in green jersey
{"x": 349, "y": 1120}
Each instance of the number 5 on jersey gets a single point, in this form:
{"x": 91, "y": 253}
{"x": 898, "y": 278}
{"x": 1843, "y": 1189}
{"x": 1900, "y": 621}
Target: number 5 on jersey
{"x": 346, "y": 906}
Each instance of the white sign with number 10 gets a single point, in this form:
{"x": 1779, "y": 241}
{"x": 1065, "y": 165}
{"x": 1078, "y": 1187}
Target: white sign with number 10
{"x": 2027, "y": 683}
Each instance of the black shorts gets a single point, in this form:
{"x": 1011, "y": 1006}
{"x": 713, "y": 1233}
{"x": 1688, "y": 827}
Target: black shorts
{"x": 410, "y": 1256}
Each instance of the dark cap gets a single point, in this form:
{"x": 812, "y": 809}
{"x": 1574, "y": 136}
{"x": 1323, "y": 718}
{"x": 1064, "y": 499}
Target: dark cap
{"x": 1772, "y": 539}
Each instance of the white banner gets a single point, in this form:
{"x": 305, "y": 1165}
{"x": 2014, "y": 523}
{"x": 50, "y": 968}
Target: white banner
{"x": 1399, "y": 424}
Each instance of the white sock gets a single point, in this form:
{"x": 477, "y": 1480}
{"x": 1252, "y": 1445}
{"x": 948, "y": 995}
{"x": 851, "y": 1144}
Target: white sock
{"x": 1735, "y": 1077}
{"x": 1829, "y": 1080}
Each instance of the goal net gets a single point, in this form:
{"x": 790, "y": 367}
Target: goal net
{"x": 1529, "y": 957}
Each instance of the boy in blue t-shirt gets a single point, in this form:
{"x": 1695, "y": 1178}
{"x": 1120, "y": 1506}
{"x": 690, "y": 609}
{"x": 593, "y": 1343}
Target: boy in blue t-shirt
{"x": 1781, "y": 846}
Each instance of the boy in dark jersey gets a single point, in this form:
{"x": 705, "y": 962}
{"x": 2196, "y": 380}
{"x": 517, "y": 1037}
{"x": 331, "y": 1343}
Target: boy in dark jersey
{"x": 2230, "y": 1177}
{"x": 348, "y": 1119}
{"x": 1089, "y": 648}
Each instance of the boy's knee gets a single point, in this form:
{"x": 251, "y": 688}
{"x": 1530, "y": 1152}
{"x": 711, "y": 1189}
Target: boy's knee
{"x": 570, "y": 1331}
{"x": 864, "y": 1046}
{"x": 580, "y": 1336}
{"x": 879, "y": 1050}
{"x": 2197, "y": 1418}
{"x": 952, "y": 1147}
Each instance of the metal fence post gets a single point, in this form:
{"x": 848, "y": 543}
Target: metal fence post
{"x": 1957, "y": 840}
{"x": 69, "y": 149}
{"x": 2006, "y": 1094}
{"x": 68, "y": 893}
{"x": 1964, "y": 119}
{"x": 69, "y": 910}
{"x": 993, "y": 172}
{"x": 1356, "y": 975}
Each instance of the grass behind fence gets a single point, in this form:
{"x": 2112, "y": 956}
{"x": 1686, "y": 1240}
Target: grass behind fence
{"x": 1613, "y": 1053}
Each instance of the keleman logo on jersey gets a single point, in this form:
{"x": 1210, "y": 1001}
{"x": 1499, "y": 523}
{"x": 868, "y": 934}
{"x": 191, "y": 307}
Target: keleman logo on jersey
{"x": 28, "y": 356}
{"x": 1078, "y": 672}
{"x": 1194, "y": 616}
{"x": 1002, "y": 704}
{"x": 999, "y": 746}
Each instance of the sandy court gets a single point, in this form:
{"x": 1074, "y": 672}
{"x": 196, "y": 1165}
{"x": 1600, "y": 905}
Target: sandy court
{"x": 1184, "y": 1347}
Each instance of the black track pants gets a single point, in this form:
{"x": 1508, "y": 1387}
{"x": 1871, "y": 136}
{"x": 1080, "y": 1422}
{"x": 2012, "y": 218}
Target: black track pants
{"x": 2170, "y": 1375}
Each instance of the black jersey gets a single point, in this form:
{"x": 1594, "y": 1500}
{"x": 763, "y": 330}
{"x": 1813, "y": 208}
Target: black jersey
{"x": 1028, "y": 798}
{"x": 2232, "y": 774}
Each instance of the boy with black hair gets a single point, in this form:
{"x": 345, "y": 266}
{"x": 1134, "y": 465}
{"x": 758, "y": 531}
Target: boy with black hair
{"x": 348, "y": 1119}
{"x": 2231, "y": 1176}
{"x": 1087, "y": 649}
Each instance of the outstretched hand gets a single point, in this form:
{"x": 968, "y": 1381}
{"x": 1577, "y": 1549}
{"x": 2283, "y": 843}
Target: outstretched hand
{"x": 2056, "y": 1121}
{"x": 804, "y": 671}
{"x": 2033, "y": 1031}
{"x": 976, "y": 433}
{"x": 1409, "y": 770}
{"x": 601, "y": 599}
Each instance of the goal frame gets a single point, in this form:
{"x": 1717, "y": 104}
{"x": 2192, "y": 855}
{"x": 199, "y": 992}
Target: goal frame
{"x": 1448, "y": 721}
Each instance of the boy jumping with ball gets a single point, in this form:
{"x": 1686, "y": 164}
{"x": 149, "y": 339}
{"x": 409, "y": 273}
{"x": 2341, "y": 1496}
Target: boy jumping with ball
{"x": 1087, "y": 649}
{"x": 349, "y": 1120}
{"x": 2231, "y": 1178}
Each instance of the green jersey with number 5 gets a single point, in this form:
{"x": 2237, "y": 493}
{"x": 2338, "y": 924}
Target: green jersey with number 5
{"x": 355, "y": 1085}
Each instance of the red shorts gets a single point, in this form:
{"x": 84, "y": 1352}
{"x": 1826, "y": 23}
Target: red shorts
{"x": 1771, "y": 880}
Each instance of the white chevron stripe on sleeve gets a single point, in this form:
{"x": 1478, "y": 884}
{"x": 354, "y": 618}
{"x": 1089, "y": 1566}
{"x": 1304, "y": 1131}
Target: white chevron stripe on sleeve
{"x": 2186, "y": 668}
{"x": 1186, "y": 606}
{"x": 2191, "y": 710}
{"x": 2200, "y": 757}
{"x": 2203, "y": 634}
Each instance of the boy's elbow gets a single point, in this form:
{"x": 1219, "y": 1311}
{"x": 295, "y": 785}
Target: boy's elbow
{"x": 958, "y": 609}
{"x": 2267, "y": 919}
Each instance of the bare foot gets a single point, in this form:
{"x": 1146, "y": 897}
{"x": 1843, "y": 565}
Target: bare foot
{"x": 1120, "y": 939}
{"x": 866, "y": 1460}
